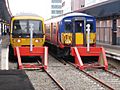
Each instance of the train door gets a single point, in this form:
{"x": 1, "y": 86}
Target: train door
{"x": 53, "y": 35}
{"x": 47, "y": 32}
{"x": 51, "y": 30}
{"x": 79, "y": 31}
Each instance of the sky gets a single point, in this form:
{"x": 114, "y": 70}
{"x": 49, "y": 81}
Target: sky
{"x": 91, "y": 2}
{"x": 39, "y": 7}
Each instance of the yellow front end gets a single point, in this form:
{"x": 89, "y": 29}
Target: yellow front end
{"x": 67, "y": 38}
{"x": 26, "y": 42}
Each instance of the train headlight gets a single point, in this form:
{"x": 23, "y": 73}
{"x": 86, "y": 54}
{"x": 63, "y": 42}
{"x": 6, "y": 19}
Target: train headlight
{"x": 18, "y": 40}
{"x": 37, "y": 40}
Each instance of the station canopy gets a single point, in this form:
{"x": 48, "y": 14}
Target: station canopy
{"x": 4, "y": 12}
{"x": 107, "y": 9}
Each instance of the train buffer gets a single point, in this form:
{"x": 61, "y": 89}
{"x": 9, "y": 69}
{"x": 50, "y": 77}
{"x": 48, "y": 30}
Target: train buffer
{"x": 94, "y": 58}
{"x": 37, "y": 51}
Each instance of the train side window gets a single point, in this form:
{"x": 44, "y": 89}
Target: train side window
{"x": 54, "y": 29}
{"x": 47, "y": 28}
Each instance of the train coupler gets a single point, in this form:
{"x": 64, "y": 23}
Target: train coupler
{"x": 95, "y": 58}
{"x": 37, "y": 51}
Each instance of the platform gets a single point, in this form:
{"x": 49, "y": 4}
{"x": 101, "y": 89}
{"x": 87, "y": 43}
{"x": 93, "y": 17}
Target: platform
{"x": 111, "y": 48}
{"x": 114, "y": 50}
{"x": 4, "y": 52}
{"x": 14, "y": 80}
{"x": 4, "y": 58}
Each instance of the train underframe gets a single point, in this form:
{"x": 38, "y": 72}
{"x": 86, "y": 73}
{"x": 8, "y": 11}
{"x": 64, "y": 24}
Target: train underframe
{"x": 59, "y": 52}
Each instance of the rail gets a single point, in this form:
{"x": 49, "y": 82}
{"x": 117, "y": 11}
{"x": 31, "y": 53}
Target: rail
{"x": 54, "y": 80}
{"x": 97, "y": 79}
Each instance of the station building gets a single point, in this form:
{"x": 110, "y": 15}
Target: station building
{"x": 107, "y": 21}
{"x": 56, "y": 8}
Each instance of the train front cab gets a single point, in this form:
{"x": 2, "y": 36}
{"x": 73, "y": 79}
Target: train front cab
{"x": 83, "y": 40}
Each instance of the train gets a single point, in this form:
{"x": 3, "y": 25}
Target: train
{"x": 27, "y": 37}
{"x": 72, "y": 37}
{"x": 69, "y": 30}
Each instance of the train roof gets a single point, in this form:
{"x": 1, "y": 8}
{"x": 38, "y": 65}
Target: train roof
{"x": 26, "y": 14}
{"x": 59, "y": 18}
{"x": 34, "y": 17}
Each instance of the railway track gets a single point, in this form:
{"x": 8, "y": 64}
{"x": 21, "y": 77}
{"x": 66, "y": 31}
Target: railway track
{"x": 42, "y": 81}
{"x": 40, "y": 78}
{"x": 70, "y": 78}
{"x": 59, "y": 85}
{"x": 108, "y": 79}
{"x": 62, "y": 72}
{"x": 67, "y": 77}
